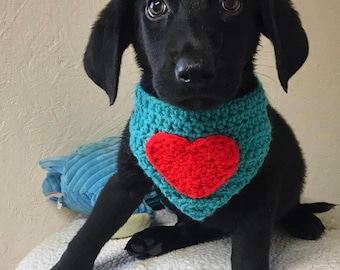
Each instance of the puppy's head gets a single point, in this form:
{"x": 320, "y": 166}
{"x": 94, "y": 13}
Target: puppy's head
{"x": 195, "y": 54}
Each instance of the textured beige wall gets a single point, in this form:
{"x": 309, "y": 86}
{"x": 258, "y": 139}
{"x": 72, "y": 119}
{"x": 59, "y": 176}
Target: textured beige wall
{"x": 49, "y": 106}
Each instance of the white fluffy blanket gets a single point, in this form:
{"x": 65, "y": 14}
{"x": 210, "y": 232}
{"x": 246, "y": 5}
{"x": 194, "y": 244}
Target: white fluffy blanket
{"x": 286, "y": 252}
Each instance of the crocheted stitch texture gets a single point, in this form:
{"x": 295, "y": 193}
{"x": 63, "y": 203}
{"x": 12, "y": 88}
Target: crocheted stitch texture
{"x": 243, "y": 121}
{"x": 194, "y": 169}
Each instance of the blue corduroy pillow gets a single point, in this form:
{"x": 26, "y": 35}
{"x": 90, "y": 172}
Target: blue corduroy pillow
{"x": 75, "y": 181}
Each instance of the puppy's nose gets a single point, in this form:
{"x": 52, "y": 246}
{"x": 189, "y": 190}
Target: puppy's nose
{"x": 195, "y": 73}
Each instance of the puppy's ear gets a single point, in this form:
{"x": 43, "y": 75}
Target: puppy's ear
{"x": 283, "y": 27}
{"x": 111, "y": 35}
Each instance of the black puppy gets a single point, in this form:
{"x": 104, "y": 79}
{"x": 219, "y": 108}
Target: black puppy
{"x": 196, "y": 56}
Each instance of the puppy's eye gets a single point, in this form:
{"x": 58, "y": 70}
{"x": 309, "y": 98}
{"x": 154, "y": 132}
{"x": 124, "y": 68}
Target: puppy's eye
{"x": 231, "y": 5}
{"x": 156, "y": 8}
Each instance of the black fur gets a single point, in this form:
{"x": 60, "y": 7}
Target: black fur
{"x": 196, "y": 56}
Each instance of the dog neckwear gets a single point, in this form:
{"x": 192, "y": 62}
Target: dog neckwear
{"x": 199, "y": 160}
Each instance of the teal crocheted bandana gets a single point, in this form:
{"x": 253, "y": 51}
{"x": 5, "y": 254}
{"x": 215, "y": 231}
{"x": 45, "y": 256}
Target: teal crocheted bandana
{"x": 199, "y": 160}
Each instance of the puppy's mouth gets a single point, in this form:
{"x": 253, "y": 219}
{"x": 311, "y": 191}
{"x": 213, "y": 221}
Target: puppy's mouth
{"x": 195, "y": 100}
{"x": 198, "y": 103}
{"x": 191, "y": 98}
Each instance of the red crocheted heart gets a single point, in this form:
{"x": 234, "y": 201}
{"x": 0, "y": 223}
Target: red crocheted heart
{"x": 194, "y": 169}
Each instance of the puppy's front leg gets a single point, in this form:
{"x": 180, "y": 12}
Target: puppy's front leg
{"x": 251, "y": 241}
{"x": 119, "y": 198}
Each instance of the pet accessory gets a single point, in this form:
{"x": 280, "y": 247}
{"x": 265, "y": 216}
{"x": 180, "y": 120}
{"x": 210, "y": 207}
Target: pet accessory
{"x": 200, "y": 159}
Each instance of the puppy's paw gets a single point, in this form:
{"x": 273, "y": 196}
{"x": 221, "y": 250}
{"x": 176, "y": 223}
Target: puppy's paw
{"x": 152, "y": 242}
{"x": 305, "y": 226}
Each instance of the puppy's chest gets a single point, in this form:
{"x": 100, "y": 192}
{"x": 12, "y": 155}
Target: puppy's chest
{"x": 199, "y": 160}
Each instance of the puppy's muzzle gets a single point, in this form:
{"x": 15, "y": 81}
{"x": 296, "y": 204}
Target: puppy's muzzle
{"x": 194, "y": 74}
